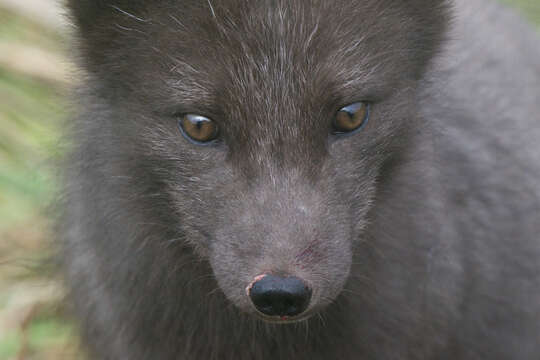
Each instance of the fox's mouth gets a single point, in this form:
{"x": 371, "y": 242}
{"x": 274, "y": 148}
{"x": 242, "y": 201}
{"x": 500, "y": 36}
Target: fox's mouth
{"x": 284, "y": 320}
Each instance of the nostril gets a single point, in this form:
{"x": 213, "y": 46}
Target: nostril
{"x": 280, "y": 296}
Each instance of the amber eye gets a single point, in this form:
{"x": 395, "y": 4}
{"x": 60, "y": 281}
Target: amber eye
{"x": 351, "y": 117}
{"x": 198, "y": 129}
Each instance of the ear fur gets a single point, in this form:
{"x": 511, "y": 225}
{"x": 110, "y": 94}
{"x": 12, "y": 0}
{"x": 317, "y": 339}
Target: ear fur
{"x": 102, "y": 26}
{"x": 88, "y": 14}
{"x": 433, "y": 18}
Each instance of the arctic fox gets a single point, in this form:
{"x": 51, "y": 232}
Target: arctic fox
{"x": 347, "y": 179}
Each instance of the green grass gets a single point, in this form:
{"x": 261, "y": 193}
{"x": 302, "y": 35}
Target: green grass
{"x": 49, "y": 332}
{"x": 18, "y": 29}
{"x": 9, "y": 345}
{"x": 530, "y": 8}
{"x": 31, "y": 112}
{"x": 29, "y": 117}
{"x": 44, "y": 335}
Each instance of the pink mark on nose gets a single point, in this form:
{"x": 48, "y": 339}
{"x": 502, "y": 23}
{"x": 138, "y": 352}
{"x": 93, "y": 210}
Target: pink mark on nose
{"x": 257, "y": 278}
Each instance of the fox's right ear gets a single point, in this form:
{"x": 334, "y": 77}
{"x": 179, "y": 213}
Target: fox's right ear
{"x": 90, "y": 15}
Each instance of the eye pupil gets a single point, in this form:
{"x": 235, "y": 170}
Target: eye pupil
{"x": 351, "y": 118}
{"x": 198, "y": 129}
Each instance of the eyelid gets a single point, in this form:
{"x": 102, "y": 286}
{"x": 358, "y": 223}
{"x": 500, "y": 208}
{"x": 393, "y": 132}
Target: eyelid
{"x": 206, "y": 112}
{"x": 354, "y": 106}
{"x": 196, "y": 117}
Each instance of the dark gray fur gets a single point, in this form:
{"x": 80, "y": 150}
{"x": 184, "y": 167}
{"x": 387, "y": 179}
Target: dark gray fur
{"x": 419, "y": 235}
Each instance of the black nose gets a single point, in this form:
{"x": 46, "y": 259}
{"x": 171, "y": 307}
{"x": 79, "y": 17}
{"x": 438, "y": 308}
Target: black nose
{"x": 280, "y": 296}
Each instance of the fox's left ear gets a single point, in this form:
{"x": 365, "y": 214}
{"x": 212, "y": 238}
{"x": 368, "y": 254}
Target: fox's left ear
{"x": 101, "y": 27}
{"x": 89, "y": 15}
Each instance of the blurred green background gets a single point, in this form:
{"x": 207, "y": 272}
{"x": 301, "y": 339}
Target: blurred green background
{"x": 35, "y": 78}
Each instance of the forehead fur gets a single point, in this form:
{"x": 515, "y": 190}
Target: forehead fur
{"x": 259, "y": 36}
